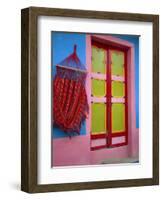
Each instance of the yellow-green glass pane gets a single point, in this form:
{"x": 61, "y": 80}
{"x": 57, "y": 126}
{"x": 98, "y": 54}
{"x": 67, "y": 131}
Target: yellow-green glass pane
{"x": 98, "y": 88}
{"x": 98, "y": 118}
{"x": 118, "y": 89}
{"x": 98, "y": 60}
{"x": 117, "y": 63}
{"x": 118, "y": 117}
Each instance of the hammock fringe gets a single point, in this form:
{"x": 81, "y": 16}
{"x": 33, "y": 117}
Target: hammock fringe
{"x": 70, "y": 106}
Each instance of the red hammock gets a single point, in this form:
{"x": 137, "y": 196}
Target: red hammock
{"x": 70, "y": 106}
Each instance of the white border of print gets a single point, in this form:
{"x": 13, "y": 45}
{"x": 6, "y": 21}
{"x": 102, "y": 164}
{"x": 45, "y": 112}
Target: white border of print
{"x": 49, "y": 175}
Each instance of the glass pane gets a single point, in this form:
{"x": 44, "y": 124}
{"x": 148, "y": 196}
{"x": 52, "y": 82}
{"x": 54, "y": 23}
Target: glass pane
{"x": 118, "y": 117}
{"x": 98, "y": 118}
{"x": 118, "y": 89}
{"x": 98, "y": 60}
{"x": 98, "y": 88}
{"x": 117, "y": 63}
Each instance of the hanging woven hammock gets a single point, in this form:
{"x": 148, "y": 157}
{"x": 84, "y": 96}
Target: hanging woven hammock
{"x": 70, "y": 106}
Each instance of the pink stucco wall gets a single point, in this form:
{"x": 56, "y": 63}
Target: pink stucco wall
{"x": 76, "y": 151}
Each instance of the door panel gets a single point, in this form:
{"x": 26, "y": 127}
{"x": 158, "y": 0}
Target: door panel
{"x": 98, "y": 118}
{"x": 118, "y": 117}
{"x": 98, "y": 60}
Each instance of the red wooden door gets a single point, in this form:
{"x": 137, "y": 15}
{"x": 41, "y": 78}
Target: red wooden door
{"x": 109, "y": 118}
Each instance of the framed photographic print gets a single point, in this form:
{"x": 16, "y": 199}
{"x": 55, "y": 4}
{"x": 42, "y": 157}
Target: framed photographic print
{"x": 90, "y": 99}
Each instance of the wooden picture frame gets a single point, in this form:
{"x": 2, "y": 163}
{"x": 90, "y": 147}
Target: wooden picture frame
{"x": 29, "y": 110}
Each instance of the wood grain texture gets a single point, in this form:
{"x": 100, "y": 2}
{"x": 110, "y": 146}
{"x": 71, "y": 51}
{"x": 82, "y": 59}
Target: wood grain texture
{"x": 24, "y": 100}
{"x": 29, "y": 101}
{"x": 156, "y": 100}
{"x": 29, "y": 98}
